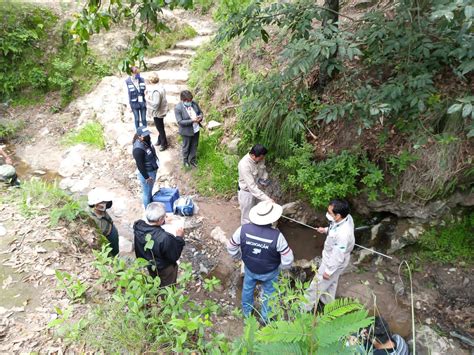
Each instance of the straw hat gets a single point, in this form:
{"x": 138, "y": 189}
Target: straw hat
{"x": 265, "y": 212}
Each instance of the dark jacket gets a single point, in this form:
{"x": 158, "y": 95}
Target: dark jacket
{"x": 166, "y": 247}
{"x": 145, "y": 157}
{"x": 135, "y": 92}
{"x": 185, "y": 122}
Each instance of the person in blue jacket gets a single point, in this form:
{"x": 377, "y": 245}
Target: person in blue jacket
{"x": 136, "y": 95}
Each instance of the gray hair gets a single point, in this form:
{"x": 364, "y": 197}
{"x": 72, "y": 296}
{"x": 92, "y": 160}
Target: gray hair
{"x": 155, "y": 211}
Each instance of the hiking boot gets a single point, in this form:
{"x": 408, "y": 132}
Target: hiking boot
{"x": 194, "y": 164}
{"x": 162, "y": 148}
{"x": 186, "y": 165}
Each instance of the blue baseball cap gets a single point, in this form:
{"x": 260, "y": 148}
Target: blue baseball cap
{"x": 143, "y": 131}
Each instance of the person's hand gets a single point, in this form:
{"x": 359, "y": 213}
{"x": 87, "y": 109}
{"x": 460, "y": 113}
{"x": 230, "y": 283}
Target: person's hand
{"x": 180, "y": 232}
{"x": 149, "y": 180}
{"x": 321, "y": 230}
{"x": 326, "y": 276}
{"x": 9, "y": 161}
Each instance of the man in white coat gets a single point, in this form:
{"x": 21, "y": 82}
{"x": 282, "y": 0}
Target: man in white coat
{"x": 336, "y": 255}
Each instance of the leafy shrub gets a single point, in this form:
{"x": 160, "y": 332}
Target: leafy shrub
{"x": 61, "y": 79}
{"x": 38, "y": 78}
{"x": 10, "y": 128}
{"x": 92, "y": 133}
{"x": 38, "y": 197}
{"x": 341, "y": 175}
{"x": 217, "y": 171}
{"x": 452, "y": 243}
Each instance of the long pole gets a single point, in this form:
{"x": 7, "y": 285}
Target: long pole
{"x": 360, "y": 246}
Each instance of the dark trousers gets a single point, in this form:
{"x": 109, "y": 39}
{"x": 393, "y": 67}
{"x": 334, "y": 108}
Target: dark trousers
{"x": 189, "y": 149}
{"x": 139, "y": 113}
{"x": 160, "y": 126}
{"x": 168, "y": 275}
{"x": 113, "y": 239}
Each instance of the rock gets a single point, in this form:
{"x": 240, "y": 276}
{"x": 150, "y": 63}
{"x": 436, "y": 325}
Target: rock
{"x": 72, "y": 162}
{"x": 428, "y": 321}
{"x": 465, "y": 282}
{"x": 44, "y": 131}
{"x": 125, "y": 245}
{"x": 202, "y": 269}
{"x": 3, "y": 230}
{"x": 39, "y": 172}
{"x": 364, "y": 255}
{"x": 291, "y": 208}
{"x": 192, "y": 223}
{"x": 80, "y": 185}
{"x": 213, "y": 124}
{"x": 430, "y": 342}
{"x": 399, "y": 288}
{"x": 380, "y": 276}
{"x": 218, "y": 234}
{"x": 453, "y": 269}
{"x": 66, "y": 183}
{"x": 233, "y": 146}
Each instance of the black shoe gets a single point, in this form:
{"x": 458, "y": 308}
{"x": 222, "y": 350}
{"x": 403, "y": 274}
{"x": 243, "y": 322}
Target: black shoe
{"x": 162, "y": 148}
{"x": 194, "y": 164}
{"x": 186, "y": 165}
{"x": 157, "y": 143}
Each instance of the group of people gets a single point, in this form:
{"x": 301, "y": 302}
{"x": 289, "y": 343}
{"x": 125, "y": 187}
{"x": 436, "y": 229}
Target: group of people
{"x": 152, "y": 101}
{"x": 258, "y": 242}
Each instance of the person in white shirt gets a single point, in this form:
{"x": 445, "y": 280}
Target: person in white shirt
{"x": 252, "y": 173}
{"x": 157, "y": 108}
{"x": 336, "y": 255}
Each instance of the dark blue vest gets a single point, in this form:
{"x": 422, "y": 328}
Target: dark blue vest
{"x": 133, "y": 93}
{"x": 150, "y": 155}
{"x": 259, "y": 248}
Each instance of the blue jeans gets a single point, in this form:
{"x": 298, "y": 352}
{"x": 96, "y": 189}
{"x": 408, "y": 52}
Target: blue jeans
{"x": 250, "y": 281}
{"x": 137, "y": 112}
{"x": 147, "y": 189}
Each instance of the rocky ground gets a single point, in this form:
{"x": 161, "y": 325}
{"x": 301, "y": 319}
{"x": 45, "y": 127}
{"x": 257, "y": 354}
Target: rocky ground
{"x": 30, "y": 252}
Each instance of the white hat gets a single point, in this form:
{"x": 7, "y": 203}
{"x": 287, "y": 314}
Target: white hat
{"x": 98, "y": 195}
{"x": 265, "y": 212}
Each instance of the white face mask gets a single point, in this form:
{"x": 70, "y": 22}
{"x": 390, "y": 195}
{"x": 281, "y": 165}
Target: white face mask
{"x": 329, "y": 217}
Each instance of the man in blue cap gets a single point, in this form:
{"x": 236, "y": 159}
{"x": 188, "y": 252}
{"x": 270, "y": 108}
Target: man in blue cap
{"x": 147, "y": 162}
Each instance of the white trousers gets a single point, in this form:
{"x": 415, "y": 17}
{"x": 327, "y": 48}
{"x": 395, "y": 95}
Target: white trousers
{"x": 246, "y": 202}
{"x": 321, "y": 289}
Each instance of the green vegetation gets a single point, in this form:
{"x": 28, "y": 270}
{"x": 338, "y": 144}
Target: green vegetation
{"x": 167, "y": 39}
{"x": 92, "y": 133}
{"x": 34, "y": 62}
{"x": 452, "y": 243}
{"x": 142, "y": 317}
{"x": 338, "y": 175}
{"x": 217, "y": 171}
{"x": 8, "y": 128}
{"x": 38, "y": 198}
{"x": 201, "y": 78}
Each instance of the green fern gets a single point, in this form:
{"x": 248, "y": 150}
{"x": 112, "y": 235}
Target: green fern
{"x": 280, "y": 348}
{"x": 338, "y": 308}
{"x": 287, "y": 332}
{"x": 332, "y": 331}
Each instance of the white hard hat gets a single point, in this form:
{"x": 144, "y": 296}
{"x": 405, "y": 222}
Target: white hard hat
{"x": 98, "y": 195}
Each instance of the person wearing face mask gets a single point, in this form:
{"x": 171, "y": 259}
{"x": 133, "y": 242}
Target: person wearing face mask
{"x": 99, "y": 200}
{"x": 147, "y": 162}
{"x": 136, "y": 88}
{"x": 336, "y": 255}
{"x": 189, "y": 117}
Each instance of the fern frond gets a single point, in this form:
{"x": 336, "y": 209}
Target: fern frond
{"x": 338, "y": 308}
{"x": 333, "y": 330}
{"x": 287, "y": 332}
{"x": 281, "y": 349}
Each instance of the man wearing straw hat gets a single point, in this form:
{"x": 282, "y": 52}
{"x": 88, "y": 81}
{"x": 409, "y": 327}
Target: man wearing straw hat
{"x": 336, "y": 255}
{"x": 264, "y": 250}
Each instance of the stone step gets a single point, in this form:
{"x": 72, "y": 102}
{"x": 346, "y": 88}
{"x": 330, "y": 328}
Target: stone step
{"x": 174, "y": 89}
{"x": 184, "y": 53}
{"x": 193, "y": 43}
{"x": 173, "y": 76}
{"x": 164, "y": 61}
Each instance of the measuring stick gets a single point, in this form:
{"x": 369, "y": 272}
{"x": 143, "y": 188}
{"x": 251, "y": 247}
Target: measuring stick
{"x": 360, "y": 246}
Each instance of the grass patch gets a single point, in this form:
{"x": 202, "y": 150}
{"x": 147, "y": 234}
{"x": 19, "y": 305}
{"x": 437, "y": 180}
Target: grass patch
{"x": 165, "y": 40}
{"x": 9, "y": 128}
{"x": 450, "y": 244}
{"x": 217, "y": 172}
{"x": 201, "y": 78}
{"x": 37, "y": 198}
{"x": 92, "y": 133}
